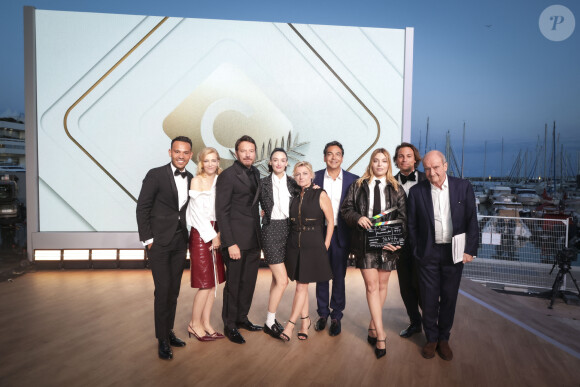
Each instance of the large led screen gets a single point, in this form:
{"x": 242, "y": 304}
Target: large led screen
{"x": 112, "y": 90}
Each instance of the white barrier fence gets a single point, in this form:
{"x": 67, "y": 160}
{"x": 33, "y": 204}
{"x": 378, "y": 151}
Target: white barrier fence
{"x": 520, "y": 252}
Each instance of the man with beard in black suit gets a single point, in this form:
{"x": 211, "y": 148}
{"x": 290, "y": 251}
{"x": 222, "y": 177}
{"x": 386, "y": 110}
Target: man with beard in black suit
{"x": 236, "y": 208}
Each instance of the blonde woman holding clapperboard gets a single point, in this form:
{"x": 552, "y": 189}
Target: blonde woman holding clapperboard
{"x": 375, "y": 193}
{"x": 207, "y": 268}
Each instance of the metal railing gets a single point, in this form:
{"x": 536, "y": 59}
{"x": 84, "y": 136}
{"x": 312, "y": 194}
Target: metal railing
{"x": 519, "y": 252}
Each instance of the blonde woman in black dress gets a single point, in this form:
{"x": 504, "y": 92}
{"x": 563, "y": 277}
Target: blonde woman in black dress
{"x": 276, "y": 191}
{"x": 376, "y": 191}
{"x": 307, "y": 248}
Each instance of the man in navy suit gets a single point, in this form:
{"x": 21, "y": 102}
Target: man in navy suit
{"x": 335, "y": 181}
{"x": 162, "y": 229}
{"x": 440, "y": 209}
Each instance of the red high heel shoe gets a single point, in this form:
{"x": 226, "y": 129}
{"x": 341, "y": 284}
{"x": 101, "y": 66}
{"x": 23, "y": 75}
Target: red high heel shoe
{"x": 191, "y": 331}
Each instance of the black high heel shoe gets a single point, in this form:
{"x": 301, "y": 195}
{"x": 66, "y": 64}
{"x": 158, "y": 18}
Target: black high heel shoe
{"x": 370, "y": 339}
{"x": 283, "y": 336}
{"x": 381, "y": 352}
{"x": 301, "y": 335}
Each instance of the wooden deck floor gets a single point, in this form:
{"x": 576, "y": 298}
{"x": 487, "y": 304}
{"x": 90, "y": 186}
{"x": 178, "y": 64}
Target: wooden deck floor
{"x": 95, "y": 328}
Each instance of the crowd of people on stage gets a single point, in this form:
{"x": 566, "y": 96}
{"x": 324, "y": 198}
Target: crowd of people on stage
{"x": 306, "y": 224}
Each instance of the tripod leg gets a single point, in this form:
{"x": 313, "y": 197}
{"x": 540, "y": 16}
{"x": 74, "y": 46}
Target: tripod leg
{"x": 556, "y": 288}
{"x": 575, "y": 283}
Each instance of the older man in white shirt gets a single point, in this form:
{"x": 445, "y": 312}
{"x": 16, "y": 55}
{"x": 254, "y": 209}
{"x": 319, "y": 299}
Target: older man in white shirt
{"x": 439, "y": 210}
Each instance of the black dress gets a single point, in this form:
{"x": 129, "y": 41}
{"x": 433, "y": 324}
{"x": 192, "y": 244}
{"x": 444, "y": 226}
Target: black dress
{"x": 306, "y": 256}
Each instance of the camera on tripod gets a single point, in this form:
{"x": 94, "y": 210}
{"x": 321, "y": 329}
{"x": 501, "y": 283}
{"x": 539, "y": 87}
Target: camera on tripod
{"x": 564, "y": 259}
{"x": 566, "y": 256}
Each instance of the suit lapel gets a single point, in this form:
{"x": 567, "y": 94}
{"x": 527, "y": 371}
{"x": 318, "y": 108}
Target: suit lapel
{"x": 267, "y": 191}
{"x": 428, "y": 201}
{"x": 345, "y": 185}
{"x": 452, "y": 199}
{"x": 172, "y": 185}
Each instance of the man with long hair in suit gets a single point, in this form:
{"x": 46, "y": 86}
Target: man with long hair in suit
{"x": 407, "y": 159}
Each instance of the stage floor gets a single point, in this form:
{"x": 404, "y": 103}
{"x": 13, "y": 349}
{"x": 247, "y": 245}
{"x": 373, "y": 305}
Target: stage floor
{"x": 95, "y": 328}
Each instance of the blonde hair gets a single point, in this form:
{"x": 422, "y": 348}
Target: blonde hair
{"x": 202, "y": 155}
{"x": 369, "y": 176}
{"x": 304, "y": 164}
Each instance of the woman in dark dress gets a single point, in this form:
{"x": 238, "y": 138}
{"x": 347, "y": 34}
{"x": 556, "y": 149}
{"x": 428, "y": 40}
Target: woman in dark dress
{"x": 357, "y": 210}
{"x": 307, "y": 248}
{"x": 207, "y": 268}
{"x": 276, "y": 191}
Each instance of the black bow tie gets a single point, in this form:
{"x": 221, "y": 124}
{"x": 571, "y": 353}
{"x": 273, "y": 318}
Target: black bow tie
{"x": 405, "y": 179}
{"x": 177, "y": 173}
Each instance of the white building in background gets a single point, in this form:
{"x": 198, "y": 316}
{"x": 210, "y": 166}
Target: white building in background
{"x": 12, "y": 153}
{"x": 12, "y": 149}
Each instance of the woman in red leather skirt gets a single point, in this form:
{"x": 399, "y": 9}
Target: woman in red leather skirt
{"x": 207, "y": 268}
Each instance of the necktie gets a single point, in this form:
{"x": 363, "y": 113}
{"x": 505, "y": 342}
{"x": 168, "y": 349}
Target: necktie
{"x": 377, "y": 199}
{"x": 177, "y": 173}
{"x": 405, "y": 179}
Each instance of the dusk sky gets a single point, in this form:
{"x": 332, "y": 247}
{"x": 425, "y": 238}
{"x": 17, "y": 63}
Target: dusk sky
{"x": 486, "y": 64}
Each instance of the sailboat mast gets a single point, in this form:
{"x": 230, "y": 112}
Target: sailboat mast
{"x": 462, "y": 149}
{"x": 554, "y": 155}
{"x": 501, "y": 169}
{"x": 426, "y": 136}
{"x": 484, "y": 159}
{"x": 545, "y": 149}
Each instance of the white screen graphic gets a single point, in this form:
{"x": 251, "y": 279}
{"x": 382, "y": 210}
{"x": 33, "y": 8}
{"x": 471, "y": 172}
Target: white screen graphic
{"x": 114, "y": 89}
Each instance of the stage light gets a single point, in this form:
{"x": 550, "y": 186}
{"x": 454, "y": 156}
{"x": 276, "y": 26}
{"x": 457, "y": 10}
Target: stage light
{"x": 75, "y": 255}
{"x": 102, "y": 255}
{"x": 131, "y": 255}
{"x": 47, "y": 255}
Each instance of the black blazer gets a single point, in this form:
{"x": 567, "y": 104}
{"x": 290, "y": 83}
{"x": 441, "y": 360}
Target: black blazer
{"x": 420, "y": 217}
{"x": 236, "y": 207}
{"x": 266, "y": 197}
{"x": 158, "y": 215}
{"x": 356, "y": 205}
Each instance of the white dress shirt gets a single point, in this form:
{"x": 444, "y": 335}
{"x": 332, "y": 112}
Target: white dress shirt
{"x": 281, "y": 207}
{"x": 382, "y": 186}
{"x": 408, "y": 184}
{"x": 201, "y": 212}
{"x": 182, "y": 188}
{"x": 333, "y": 188}
{"x": 442, "y": 212}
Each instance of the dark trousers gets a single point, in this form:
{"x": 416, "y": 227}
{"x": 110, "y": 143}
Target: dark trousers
{"x": 167, "y": 263}
{"x": 439, "y": 282}
{"x": 241, "y": 277}
{"x": 338, "y": 257}
{"x": 409, "y": 285}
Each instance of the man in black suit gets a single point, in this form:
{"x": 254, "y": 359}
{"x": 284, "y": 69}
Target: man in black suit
{"x": 236, "y": 208}
{"x": 441, "y": 212}
{"x": 407, "y": 159}
{"x": 162, "y": 229}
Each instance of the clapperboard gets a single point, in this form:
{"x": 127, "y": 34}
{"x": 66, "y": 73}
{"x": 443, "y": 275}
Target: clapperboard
{"x": 384, "y": 233}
